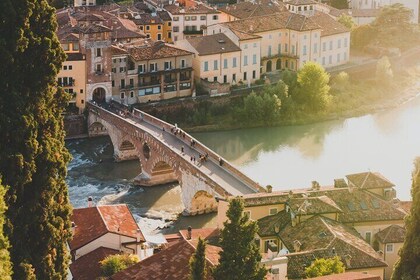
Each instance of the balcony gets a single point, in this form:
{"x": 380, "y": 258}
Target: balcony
{"x": 70, "y": 83}
{"x": 193, "y": 32}
{"x": 149, "y": 83}
{"x": 171, "y": 70}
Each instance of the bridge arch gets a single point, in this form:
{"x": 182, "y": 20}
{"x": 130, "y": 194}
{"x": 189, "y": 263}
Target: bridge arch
{"x": 127, "y": 145}
{"x": 97, "y": 128}
{"x": 146, "y": 151}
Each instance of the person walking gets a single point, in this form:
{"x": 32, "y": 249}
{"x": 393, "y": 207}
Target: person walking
{"x": 182, "y": 149}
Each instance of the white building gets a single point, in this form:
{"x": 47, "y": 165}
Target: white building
{"x": 80, "y": 3}
{"x": 413, "y": 5}
{"x": 188, "y": 22}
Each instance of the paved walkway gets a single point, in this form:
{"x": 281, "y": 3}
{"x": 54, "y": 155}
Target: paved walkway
{"x": 217, "y": 173}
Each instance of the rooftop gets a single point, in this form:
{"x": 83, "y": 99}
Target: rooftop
{"x": 87, "y": 267}
{"x": 329, "y": 26}
{"x": 391, "y": 234}
{"x": 244, "y": 10}
{"x": 314, "y": 205}
{"x": 93, "y": 222}
{"x": 213, "y": 44}
{"x": 154, "y": 50}
{"x": 369, "y": 180}
{"x": 197, "y": 9}
{"x": 349, "y": 276}
{"x": 300, "y": 2}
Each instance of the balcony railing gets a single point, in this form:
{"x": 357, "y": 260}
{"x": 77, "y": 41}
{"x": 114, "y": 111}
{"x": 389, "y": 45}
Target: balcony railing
{"x": 150, "y": 83}
{"x": 193, "y": 32}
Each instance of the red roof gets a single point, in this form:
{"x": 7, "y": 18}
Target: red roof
{"x": 91, "y": 223}
{"x": 349, "y": 276}
{"x": 87, "y": 267}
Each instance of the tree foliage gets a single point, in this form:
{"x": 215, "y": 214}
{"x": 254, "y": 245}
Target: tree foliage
{"x": 340, "y": 4}
{"x": 408, "y": 266}
{"x": 313, "y": 89}
{"x": 5, "y": 264}
{"x": 341, "y": 81}
{"x": 116, "y": 263}
{"x": 321, "y": 267}
{"x": 259, "y": 108}
{"x": 290, "y": 79}
{"x": 240, "y": 257}
{"x": 33, "y": 158}
{"x": 384, "y": 72}
{"x": 198, "y": 269}
{"x": 347, "y": 21}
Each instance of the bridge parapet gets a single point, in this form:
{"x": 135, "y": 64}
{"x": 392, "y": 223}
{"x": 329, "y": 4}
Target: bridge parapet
{"x": 201, "y": 147}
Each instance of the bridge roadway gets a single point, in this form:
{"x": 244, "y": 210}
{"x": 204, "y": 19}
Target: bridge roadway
{"x": 225, "y": 178}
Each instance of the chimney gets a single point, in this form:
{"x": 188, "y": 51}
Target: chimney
{"x": 269, "y": 189}
{"x": 189, "y": 232}
{"x": 90, "y": 201}
{"x": 73, "y": 228}
{"x": 315, "y": 185}
{"x": 297, "y": 245}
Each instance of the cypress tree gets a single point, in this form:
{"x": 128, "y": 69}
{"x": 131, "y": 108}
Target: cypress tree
{"x": 5, "y": 265}
{"x": 240, "y": 257}
{"x": 408, "y": 266}
{"x": 33, "y": 158}
{"x": 198, "y": 261}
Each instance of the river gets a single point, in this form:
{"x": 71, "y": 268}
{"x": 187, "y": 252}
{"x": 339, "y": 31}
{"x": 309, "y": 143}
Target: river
{"x": 284, "y": 157}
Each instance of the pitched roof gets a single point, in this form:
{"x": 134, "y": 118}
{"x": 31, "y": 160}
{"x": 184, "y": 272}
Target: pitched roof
{"x": 280, "y": 20}
{"x": 352, "y": 275}
{"x": 314, "y": 205}
{"x": 406, "y": 206}
{"x": 213, "y": 44}
{"x": 268, "y": 225}
{"x": 300, "y": 2}
{"x": 172, "y": 262}
{"x": 391, "y": 234}
{"x": 118, "y": 51}
{"x": 329, "y": 26}
{"x": 164, "y": 15}
{"x": 155, "y": 50}
{"x": 147, "y": 19}
{"x": 94, "y": 28}
{"x": 93, "y": 222}
{"x": 369, "y": 180}
{"x": 321, "y": 237}
{"x": 87, "y": 267}
{"x": 244, "y": 10}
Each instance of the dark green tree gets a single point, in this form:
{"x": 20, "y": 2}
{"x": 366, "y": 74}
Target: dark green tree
{"x": 240, "y": 257}
{"x": 5, "y": 265}
{"x": 33, "y": 158}
{"x": 408, "y": 266}
{"x": 290, "y": 79}
{"x": 313, "y": 89}
{"x": 198, "y": 270}
{"x": 321, "y": 267}
{"x": 116, "y": 263}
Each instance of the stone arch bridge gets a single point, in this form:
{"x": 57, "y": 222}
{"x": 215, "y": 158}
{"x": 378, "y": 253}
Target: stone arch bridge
{"x": 137, "y": 135}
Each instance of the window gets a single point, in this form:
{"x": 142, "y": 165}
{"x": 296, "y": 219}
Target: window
{"x": 215, "y": 17}
{"x": 363, "y": 205}
{"x": 292, "y": 65}
{"x": 389, "y": 248}
{"x": 98, "y": 52}
{"x": 159, "y": 37}
{"x": 148, "y": 35}
{"x": 234, "y": 77}
{"x": 245, "y": 76}
{"x": 65, "y": 47}
{"x": 176, "y": 18}
{"x": 255, "y": 45}
{"x": 324, "y": 46}
{"x": 269, "y": 50}
{"x": 141, "y": 68}
{"x": 215, "y": 65}
{"x": 345, "y": 42}
{"x": 285, "y": 47}
{"x": 193, "y": 18}
{"x": 132, "y": 82}
{"x": 159, "y": 27}
{"x": 270, "y": 243}
{"x": 225, "y": 79}
{"x": 254, "y": 59}
{"x": 75, "y": 46}
{"x": 113, "y": 83}
{"x": 225, "y": 64}
{"x": 304, "y": 50}
{"x": 245, "y": 46}
{"x": 254, "y": 74}
{"x": 272, "y": 211}
{"x": 169, "y": 34}
{"x": 65, "y": 67}
{"x": 279, "y": 48}
{"x": 339, "y": 43}
{"x": 131, "y": 94}
{"x": 245, "y": 60}
{"x": 122, "y": 95}
{"x": 368, "y": 236}
{"x": 206, "y": 66}
{"x": 147, "y": 27}
{"x": 176, "y": 28}
{"x": 234, "y": 62}
{"x": 183, "y": 63}
{"x": 202, "y": 17}
{"x": 331, "y": 45}
{"x": 215, "y": 79}
{"x": 98, "y": 68}
{"x": 121, "y": 69}
{"x": 315, "y": 48}
{"x": 70, "y": 67}
{"x": 153, "y": 67}
{"x": 169, "y": 23}
{"x": 168, "y": 65}
{"x": 122, "y": 83}
{"x": 304, "y": 37}
{"x": 293, "y": 49}
{"x": 141, "y": 27}
{"x": 187, "y": 18}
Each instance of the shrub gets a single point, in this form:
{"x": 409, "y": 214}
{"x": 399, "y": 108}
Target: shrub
{"x": 115, "y": 263}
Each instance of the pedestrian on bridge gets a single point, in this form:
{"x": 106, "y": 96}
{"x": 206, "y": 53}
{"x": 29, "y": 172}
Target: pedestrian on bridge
{"x": 182, "y": 149}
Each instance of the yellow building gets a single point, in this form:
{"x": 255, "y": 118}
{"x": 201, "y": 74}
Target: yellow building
{"x": 157, "y": 26}
{"x": 72, "y": 76}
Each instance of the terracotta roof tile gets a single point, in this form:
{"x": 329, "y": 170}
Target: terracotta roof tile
{"x": 406, "y": 206}
{"x": 197, "y": 9}
{"x": 349, "y": 276}
{"x": 154, "y": 51}
{"x": 87, "y": 267}
{"x": 213, "y": 44}
{"x": 94, "y": 222}
{"x": 300, "y": 2}
{"x": 329, "y": 26}
{"x": 267, "y": 225}
{"x": 369, "y": 180}
{"x": 314, "y": 205}
{"x": 391, "y": 234}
